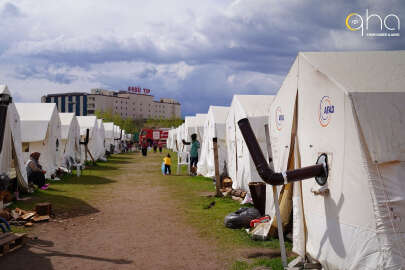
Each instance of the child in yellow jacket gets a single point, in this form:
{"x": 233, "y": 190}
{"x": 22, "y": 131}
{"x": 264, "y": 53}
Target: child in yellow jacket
{"x": 168, "y": 162}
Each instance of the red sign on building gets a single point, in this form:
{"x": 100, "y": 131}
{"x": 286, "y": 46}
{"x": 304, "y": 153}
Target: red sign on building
{"x": 138, "y": 90}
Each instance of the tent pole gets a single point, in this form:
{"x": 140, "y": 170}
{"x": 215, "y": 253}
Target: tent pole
{"x": 276, "y": 204}
{"x": 279, "y": 227}
{"x": 216, "y": 163}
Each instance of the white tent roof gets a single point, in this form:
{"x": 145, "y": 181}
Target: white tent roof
{"x": 214, "y": 127}
{"x": 360, "y": 74}
{"x": 66, "y": 120}
{"x": 218, "y": 113}
{"x": 109, "y": 130}
{"x": 87, "y": 122}
{"x": 369, "y": 71}
{"x": 35, "y": 118}
{"x": 4, "y": 89}
{"x": 349, "y": 106}
{"x": 240, "y": 165}
{"x": 252, "y": 105}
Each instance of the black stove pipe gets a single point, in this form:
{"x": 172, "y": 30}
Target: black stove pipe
{"x": 319, "y": 170}
{"x": 5, "y": 100}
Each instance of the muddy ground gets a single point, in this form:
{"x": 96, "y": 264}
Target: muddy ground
{"x": 135, "y": 226}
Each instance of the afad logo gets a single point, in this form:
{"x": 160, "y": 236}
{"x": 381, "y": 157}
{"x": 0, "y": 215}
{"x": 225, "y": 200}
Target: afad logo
{"x": 279, "y": 118}
{"x": 326, "y": 109}
{"x": 388, "y": 26}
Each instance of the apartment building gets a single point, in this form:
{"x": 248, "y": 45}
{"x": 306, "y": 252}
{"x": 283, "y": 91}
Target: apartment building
{"x": 73, "y": 102}
{"x": 125, "y": 103}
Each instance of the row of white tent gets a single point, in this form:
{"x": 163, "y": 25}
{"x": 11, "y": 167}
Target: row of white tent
{"x": 349, "y": 105}
{"x": 39, "y": 127}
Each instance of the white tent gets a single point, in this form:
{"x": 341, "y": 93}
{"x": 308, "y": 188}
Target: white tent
{"x": 109, "y": 134}
{"x": 70, "y": 138}
{"x": 194, "y": 124}
{"x": 100, "y": 139}
{"x": 214, "y": 127}
{"x": 349, "y": 105}
{"x": 171, "y": 139}
{"x": 10, "y": 163}
{"x": 41, "y": 132}
{"x": 241, "y": 168}
{"x": 117, "y": 139}
{"x": 180, "y": 136}
{"x": 90, "y": 123}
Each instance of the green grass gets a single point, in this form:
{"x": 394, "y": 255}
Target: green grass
{"x": 70, "y": 196}
{"x": 73, "y": 196}
{"x": 188, "y": 191}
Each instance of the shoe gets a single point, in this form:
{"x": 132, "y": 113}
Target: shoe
{"x": 44, "y": 188}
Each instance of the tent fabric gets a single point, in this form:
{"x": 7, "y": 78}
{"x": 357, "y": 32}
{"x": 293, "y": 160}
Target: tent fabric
{"x": 241, "y": 168}
{"x": 100, "y": 139}
{"x": 117, "y": 139}
{"x": 194, "y": 124}
{"x": 70, "y": 137}
{"x": 214, "y": 127}
{"x": 41, "y": 131}
{"x": 36, "y": 117}
{"x": 180, "y": 136}
{"x": 109, "y": 134}
{"x": 12, "y": 139}
{"x": 349, "y": 106}
{"x": 90, "y": 123}
{"x": 171, "y": 139}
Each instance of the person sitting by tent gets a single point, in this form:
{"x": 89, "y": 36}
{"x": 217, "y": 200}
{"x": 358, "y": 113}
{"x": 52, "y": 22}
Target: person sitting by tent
{"x": 195, "y": 145}
{"x": 168, "y": 162}
{"x": 34, "y": 171}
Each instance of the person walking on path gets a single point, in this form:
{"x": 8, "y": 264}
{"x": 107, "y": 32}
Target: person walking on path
{"x": 195, "y": 145}
{"x": 35, "y": 173}
{"x": 144, "y": 146}
{"x": 168, "y": 162}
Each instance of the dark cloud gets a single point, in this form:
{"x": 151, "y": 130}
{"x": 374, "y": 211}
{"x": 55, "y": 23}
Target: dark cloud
{"x": 249, "y": 41}
{"x": 10, "y": 10}
{"x": 49, "y": 73}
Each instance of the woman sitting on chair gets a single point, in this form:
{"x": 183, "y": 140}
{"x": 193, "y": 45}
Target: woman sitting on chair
{"x": 35, "y": 173}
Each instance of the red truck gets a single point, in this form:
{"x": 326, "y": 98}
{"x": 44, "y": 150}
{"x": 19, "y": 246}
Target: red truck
{"x": 158, "y": 135}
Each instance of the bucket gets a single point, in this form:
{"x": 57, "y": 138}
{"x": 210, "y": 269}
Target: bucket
{"x": 258, "y": 193}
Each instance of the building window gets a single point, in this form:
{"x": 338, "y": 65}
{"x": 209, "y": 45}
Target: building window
{"x": 77, "y": 105}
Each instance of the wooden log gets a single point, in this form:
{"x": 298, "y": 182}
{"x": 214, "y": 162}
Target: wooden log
{"x": 216, "y": 163}
{"x": 43, "y": 209}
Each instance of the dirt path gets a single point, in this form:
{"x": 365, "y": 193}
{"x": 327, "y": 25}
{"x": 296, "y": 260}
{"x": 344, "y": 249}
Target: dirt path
{"x": 137, "y": 227}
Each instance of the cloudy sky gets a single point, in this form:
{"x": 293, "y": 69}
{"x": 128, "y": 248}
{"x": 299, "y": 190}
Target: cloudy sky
{"x": 199, "y": 52}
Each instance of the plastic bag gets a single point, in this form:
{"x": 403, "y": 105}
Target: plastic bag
{"x": 163, "y": 168}
{"x": 241, "y": 218}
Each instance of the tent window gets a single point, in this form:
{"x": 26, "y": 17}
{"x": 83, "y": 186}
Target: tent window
{"x": 57, "y": 145}
{"x": 26, "y": 147}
